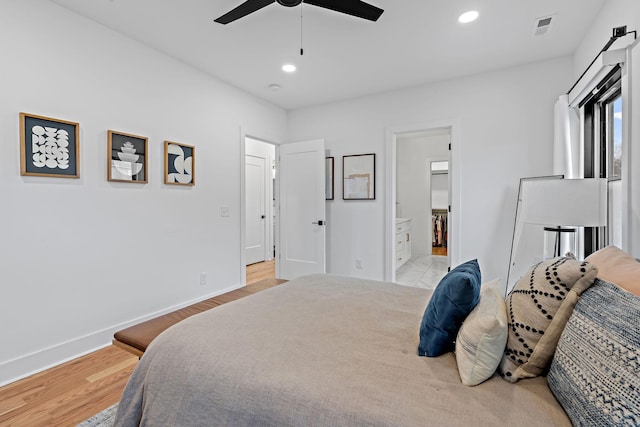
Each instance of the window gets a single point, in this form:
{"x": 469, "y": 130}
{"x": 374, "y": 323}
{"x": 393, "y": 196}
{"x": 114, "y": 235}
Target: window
{"x": 608, "y": 140}
{"x": 603, "y": 154}
{"x": 614, "y": 135}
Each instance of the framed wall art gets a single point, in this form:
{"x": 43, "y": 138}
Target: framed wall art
{"x": 126, "y": 157}
{"x": 359, "y": 177}
{"x": 328, "y": 178}
{"x": 49, "y": 147}
{"x": 179, "y": 163}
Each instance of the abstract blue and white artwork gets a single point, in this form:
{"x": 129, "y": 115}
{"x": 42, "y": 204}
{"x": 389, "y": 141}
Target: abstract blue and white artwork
{"x": 179, "y": 163}
{"x": 48, "y": 147}
{"x": 127, "y": 157}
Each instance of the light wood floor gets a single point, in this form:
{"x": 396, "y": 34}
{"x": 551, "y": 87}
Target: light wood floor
{"x": 72, "y": 392}
{"x": 439, "y": 250}
{"x": 261, "y": 270}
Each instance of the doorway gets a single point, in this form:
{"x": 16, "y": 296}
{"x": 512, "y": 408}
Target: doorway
{"x": 422, "y": 200}
{"x": 294, "y": 210}
{"x": 259, "y": 212}
{"x": 415, "y": 197}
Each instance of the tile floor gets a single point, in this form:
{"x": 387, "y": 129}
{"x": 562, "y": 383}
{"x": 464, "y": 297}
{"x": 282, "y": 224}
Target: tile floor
{"x": 422, "y": 271}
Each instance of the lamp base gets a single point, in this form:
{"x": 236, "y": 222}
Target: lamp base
{"x": 559, "y": 241}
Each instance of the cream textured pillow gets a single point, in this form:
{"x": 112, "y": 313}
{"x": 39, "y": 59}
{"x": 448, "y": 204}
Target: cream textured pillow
{"x": 538, "y": 308}
{"x": 483, "y": 335}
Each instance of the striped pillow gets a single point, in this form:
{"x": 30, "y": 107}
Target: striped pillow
{"x": 483, "y": 335}
{"x": 595, "y": 373}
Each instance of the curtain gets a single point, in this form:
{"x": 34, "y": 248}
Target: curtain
{"x": 566, "y": 144}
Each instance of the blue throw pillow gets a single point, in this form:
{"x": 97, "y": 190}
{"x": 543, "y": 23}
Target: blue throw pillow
{"x": 453, "y": 299}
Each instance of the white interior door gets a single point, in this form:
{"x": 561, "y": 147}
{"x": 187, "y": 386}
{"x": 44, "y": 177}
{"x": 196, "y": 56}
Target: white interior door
{"x": 255, "y": 209}
{"x": 302, "y": 209}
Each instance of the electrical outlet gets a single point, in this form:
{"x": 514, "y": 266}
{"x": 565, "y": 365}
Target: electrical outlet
{"x": 203, "y": 278}
{"x": 359, "y": 263}
{"x": 225, "y": 211}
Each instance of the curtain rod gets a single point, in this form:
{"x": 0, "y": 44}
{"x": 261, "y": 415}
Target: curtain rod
{"x": 617, "y": 33}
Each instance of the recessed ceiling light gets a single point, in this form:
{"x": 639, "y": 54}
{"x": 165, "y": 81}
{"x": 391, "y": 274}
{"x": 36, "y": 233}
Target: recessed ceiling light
{"x": 469, "y": 16}
{"x": 288, "y": 68}
{"x": 274, "y": 87}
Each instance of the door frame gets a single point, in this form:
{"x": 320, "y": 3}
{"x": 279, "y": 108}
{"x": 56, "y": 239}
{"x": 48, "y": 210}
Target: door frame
{"x": 243, "y": 208}
{"x": 454, "y": 189}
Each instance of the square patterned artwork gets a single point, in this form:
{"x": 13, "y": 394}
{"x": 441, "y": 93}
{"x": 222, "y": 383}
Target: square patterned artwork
{"x": 49, "y": 147}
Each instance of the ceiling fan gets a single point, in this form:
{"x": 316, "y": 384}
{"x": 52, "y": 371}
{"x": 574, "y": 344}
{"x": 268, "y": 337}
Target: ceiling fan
{"x": 355, "y": 8}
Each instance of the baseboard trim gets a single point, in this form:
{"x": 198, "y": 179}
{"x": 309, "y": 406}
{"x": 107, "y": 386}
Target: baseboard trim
{"x": 29, "y": 364}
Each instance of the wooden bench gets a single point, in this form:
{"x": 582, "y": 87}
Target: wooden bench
{"x": 135, "y": 339}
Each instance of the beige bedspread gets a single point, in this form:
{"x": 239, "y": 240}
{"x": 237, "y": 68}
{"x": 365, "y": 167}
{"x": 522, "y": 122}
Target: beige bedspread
{"x": 318, "y": 351}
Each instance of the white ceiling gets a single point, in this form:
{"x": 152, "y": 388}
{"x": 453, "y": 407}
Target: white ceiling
{"x": 413, "y": 42}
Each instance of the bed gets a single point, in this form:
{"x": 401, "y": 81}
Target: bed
{"x": 316, "y": 351}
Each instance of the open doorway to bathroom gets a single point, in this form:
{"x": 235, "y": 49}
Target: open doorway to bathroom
{"x": 422, "y": 204}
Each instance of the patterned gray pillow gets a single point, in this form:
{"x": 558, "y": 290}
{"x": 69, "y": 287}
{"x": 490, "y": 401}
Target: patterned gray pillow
{"x": 595, "y": 373}
{"x": 538, "y": 308}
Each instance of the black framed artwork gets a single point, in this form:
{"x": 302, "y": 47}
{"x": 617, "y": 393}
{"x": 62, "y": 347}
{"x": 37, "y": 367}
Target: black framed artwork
{"x": 49, "y": 147}
{"x": 127, "y": 157}
{"x": 359, "y": 177}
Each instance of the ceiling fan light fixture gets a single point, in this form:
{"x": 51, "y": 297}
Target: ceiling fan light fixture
{"x": 469, "y": 16}
{"x": 289, "y": 3}
{"x": 357, "y": 8}
{"x": 288, "y": 68}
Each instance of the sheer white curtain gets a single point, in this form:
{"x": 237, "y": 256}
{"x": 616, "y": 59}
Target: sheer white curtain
{"x": 566, "y": 145}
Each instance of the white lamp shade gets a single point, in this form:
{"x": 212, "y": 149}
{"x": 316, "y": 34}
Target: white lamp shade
{"x": 565, "y": 202}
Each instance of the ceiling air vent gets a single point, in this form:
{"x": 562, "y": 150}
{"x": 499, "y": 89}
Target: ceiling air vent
{"x": 543, "y": 25}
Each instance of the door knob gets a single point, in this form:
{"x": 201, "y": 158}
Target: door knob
{"x": 262, "y": 216}
{"x": 319, "y": 222}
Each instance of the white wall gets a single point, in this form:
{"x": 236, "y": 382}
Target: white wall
{"x": 616, "y": 13}
{"x": 506, "y": 122}
{"x": 414, "y": 184}
{"x": 82, "y": 257}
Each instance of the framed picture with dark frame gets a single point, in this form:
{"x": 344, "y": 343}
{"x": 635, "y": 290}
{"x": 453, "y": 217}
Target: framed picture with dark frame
{"x": 328, "y": 178}
{"x": 127, "y": 159}
{"x": 179, "y": 163}
{"x": 49, "y": 147}
{"x": 359, "y": 177}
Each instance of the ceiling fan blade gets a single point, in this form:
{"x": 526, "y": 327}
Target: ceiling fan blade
{"x": 244, "y": 9}
{"x": 356, "y": 8}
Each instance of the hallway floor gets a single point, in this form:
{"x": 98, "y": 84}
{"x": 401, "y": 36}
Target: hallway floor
{"x": 422, "y": 271}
